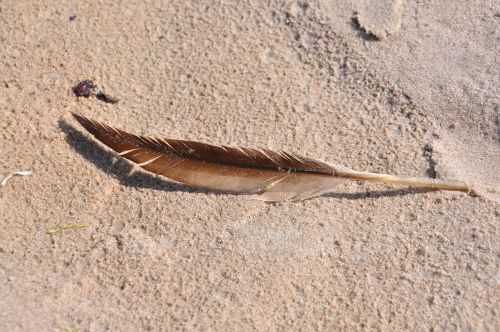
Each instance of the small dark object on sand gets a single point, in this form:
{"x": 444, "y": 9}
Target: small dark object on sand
{"x": 72, "y": 18}
{"x": 106, "y": 98}
{"x": 85, "y": 89}
{"x": 88, "y": 88}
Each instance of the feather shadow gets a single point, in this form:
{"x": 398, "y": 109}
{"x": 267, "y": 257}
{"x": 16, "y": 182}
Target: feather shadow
{"x": 108, "y": 162}
{"x": 379, "y": 193}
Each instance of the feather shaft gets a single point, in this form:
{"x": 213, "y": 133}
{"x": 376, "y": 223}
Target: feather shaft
{"x": 408, "y": 180}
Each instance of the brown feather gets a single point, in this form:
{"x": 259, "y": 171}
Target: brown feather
{"x": 276, "y": 176}
{"x": 273, "y": 175}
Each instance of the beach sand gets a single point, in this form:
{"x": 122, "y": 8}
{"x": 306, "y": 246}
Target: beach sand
{"x": 89, "y": 242}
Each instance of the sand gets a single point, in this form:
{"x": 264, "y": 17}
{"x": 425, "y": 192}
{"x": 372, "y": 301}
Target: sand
{"x": 88, "y": 242}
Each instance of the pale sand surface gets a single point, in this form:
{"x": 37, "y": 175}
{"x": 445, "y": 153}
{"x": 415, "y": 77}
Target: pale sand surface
{"x": 405, "y": 87}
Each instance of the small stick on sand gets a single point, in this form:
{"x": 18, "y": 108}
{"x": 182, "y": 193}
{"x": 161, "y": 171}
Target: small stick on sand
{"x": 55, "y": 230}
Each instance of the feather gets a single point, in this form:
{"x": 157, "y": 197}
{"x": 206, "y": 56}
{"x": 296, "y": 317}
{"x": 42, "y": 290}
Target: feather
{"x": 271, "y": 175}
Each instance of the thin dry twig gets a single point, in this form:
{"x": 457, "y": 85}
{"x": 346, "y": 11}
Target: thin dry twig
{"x": 55, "y": 230}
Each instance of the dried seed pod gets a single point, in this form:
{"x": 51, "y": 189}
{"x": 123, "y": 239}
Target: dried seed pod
{"x": 85, "y": 88}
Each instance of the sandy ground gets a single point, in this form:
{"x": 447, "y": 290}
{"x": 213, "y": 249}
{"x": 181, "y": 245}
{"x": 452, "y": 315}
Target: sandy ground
{"x": 390, "y": 86}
